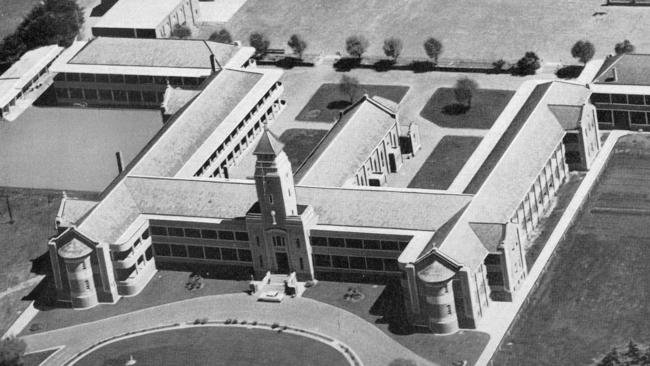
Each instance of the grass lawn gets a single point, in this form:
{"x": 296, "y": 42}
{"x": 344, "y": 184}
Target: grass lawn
{"x": 594, "y": 295}
{"x": 165, "y": 287}
{"x": 382, "y": 306}
{"x": 487, "y": 105}
{"x": 473, "y": 29}
{"x": 71, "y": 148}
{"x": 445, "y": 162}
{"x": 299, "y": 142}
{"x": 35, "y": 359}
{"x": 328, "y": 101}
{"x": 232, "y": 346}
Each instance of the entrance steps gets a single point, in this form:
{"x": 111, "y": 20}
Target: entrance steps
{"x": 274, "y": 287}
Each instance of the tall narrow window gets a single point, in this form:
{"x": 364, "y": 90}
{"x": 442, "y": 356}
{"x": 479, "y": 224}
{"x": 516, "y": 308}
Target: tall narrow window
{"x": 301, "y": 265}
{"x": 261, "y": 262}
{"x": 87, "y": 283}
{"x": 298, "y": 244}
{"x": 270, "y": 198}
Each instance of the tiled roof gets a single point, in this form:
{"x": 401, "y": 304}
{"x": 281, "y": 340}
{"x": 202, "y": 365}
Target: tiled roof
{"x": 152, "y": 52}
{"x": 347, "y": 145}
{"x": 630, "y": 69}
{"x": 176, "y": 98}
{"x": 269, "y": 144}
{"x": 183, "y": 135}
{"x": 141, "y": 14}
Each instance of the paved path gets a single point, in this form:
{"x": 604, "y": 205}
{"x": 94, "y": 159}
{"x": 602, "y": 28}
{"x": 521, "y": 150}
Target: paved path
{"x": 373, "y": 346}
{"x": 501, "y": 315}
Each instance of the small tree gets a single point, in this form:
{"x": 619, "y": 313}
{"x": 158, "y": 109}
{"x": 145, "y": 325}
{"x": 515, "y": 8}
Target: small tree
{"x": 393, "y": 47}
{"x": 349, "y": 86}
{"x": 528, "y": 64}
{"x": 259, "y": 42}
{"x": 633, "y": 352}
{"x": 297, "y": 44}
{"x": 433, "y": 48}
{"x": 12, "y": 350}
{"x": 583, "y": 50}
{"x": 464, "y": 89}
{"x": 356, "y": 45}
{"x": 181, "y": 31}
{"x": 624, "y": 47}
{"x": 221, "y": 36}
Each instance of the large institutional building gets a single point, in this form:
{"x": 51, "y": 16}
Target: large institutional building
{"x": 147, "y": 18}
{"x": 453, "y": 252}
{"x": 621, "y": 92}
{"x": 136, "y": 72}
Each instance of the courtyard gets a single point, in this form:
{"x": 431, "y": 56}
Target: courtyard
{"x": 592, "y": 296}
{"x": 71, "y": 148}
{"x": 470, "y": 29}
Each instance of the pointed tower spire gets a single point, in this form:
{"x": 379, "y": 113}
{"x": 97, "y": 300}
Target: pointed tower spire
{"x": 269, "y": 144}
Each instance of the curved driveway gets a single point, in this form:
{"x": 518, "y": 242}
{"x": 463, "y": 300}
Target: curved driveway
{"x": 369, "y": 342}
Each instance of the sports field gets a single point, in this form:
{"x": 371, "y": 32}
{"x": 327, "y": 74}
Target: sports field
{"x": 594, "y": 295}
{"x": 470, "y": 29}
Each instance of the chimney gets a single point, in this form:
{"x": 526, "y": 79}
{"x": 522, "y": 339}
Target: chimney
{"x": 120, "y": 167}
{"x": 213, "y": 63}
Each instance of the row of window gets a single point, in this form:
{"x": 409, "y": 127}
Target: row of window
{"x": 204, "y": 170}
{"x": 132, "y": 96}
{"x": 200, "y": 252}
{"x": 361, "y": 263}
{"x": 633, "y": 99}
{"x": 199, "y": 233}
{"x": 130, "y": 79}
{"x": 358, "y": 243}
{"x": 623, "y": 117}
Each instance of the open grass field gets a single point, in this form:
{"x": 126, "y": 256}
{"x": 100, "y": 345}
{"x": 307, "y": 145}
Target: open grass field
{"x": 12, "y": 13}
{"x": 471, "y": 29}
{"x": 443, "y": 164}
{"x": 594, "y": 295}
{"x": 328, "y": 101}
{"x": 487, "y": 105}
{"x": 382, "y": 306}
{"x": 298, "y": 143}
{"x": 71, "y": 148}
{"x": 215, "y": 346}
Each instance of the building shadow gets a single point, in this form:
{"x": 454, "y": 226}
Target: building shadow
{"x": 102, "y": 8}
{"x": 389, "y": 307}
{"x": 47, "y": 98}
{"x": 569, "y": 72}
{"x": 455, "y": 109}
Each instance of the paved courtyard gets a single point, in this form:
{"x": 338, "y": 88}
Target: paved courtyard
{"x": 71, "y": 148}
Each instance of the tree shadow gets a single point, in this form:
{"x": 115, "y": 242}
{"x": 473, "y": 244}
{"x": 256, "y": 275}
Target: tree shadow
{"x": 102, "y": 8}
{"x": 390, "y": 308}
{"x": 338, "y": 104}
{"x": 569, "y": 72}
{"x": 288, "y": 63}
{"x": 384, "y": 65}
{"x": 455, "y": 109}
{"x": 422, "y": 66}
{"x": 347, "y": 63}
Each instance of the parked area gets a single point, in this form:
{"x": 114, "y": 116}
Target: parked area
{"x": 593, "y": 295}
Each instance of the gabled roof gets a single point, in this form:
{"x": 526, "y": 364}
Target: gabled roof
{"x": 347, "y": 145}
{"x": 440, "y": 269}
{"x": 269, "y": 144}
{"x": 491, "y": 235}
{"x": 568, "y": 116}
{"x": 625, "y": 69}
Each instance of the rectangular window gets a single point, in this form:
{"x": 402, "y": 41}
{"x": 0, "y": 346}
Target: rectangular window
{"x": 297, "y": 243}
{"x": 493, "y": 259}
{"x": 59, "y": 77}
{"x": 105, "y": 94}
{"x": 229, "y": 254}
{"x": 158, "y": 230}
{"x": 131, "y": 79}
{"x": 637, "y": 118}
{"x": 336, "y": 242}
{"x": 270, "y": 196}
{"x": 76, "y": 93}
{"x": 61, "y": 92}
{"x": 160, "y": 80}
{"x": 635, "y": 99}
{"x": 195, "y": 251}
{"x": 302, "y": 266}
{"x": 144, "y": 79}
{"x": 72, "y": 77}
{"x": 371, "y": 244}
{"x": 241, "y": 236}
{"x": 245, "y": 255}
{"x": 339, "y": 261}
{"x": 174, "y": 80}
{"x": 391, "y": 265}
{"x": 226, "y": 235}
{"x": 318, "y": 241}
{"x": 117, "y": 79}
{"x": 604, "y": 116}
{"x": 389, "y": 245}
{"x": 192, "y": 233}
{"x": 354, "y": 243}
{"x": 403, "y": 245}
{"x": 600, "y": 98}
{"x": 162, "y": 250}
{"x": 212, "y": 253}
{"x": 208, "y": 234}
{"x": 119, "y": 95}
{"x": 101, "y": 78}
{"x": 322, "y": 260}
{"x": 88, "y": 77}
{"x": 375, "y": 264}
{"x": 175, "y": 231}
{"x": 135, "y": 96}
{"x": 178, "y": 250}
{"x": 90, "y": 94}
{"x": 357, "y": 263}
{"x": 149, "y": 96}
{"x": 619, "y": 98}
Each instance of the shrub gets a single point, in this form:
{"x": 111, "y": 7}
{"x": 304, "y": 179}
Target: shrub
{"x": 393, "y": 47}
{"x": 234, "y": 321}
{"x": 528, "y": 64}
{"x": 12, "y": 350}
{"x": 499, "y": 65}
{"x": 181, "y": 31}
{"x": 274, "y": 325}
{"x": 433, "y": 48}
{"x": 297, "y": 44}
{"x": 254, "y": 322}
{"x": 309, "y": 284}
{"x": 583, "y": 50}
{"x": 624, "y": 47}
{"x": 356, "y": 45}
{"x": 259, "y": 41}
{"x": 221, "y": 36}
{"x": 228, "y": 321}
